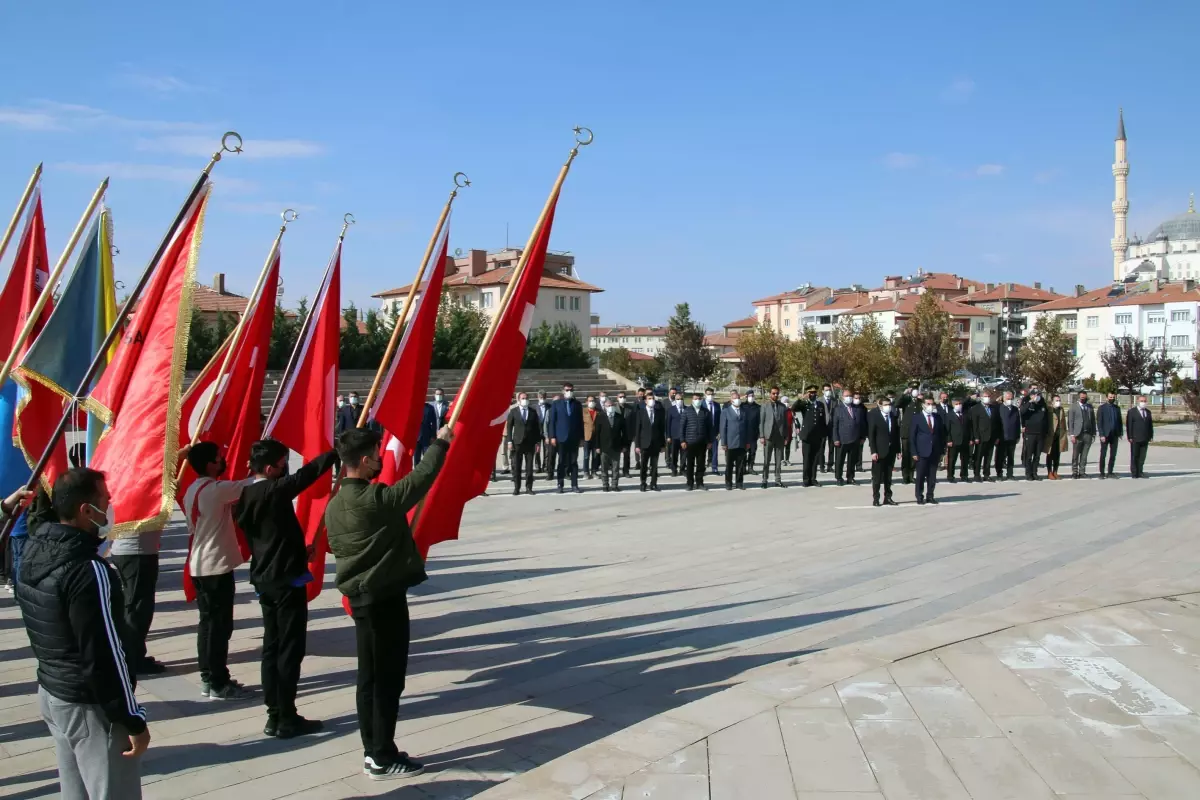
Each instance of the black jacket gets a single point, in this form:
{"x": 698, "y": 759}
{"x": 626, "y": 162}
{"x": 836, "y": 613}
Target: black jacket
{"x": 1139, "y": 428}
{"x": 814, "y": 422}
{"x": 647, "y": 435}
{"x": 753, "y": 414}
{"x": 611, "y": 433}
{"x": 1108, "y": 420}
{"x": 74, "y": 614}
{"x": 958, "y": 428}
{"x": 883, "y": 442}
{"x": 1034, "y": 418}
{"x": 267, "y": 517}
{"x": 985, "y": 422}
{"x": 907, "y": 405}
{"x": 523, "y": 434}
{"x": 697, "y": 426}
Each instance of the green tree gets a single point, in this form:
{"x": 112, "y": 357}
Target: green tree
{"x": 759, "y": 349}
{"x": 1191, "y": 401}
{"x": 379, "y": 332}
{"x": 1128, "y": 363}
{"x": 869, "y": 356}
{"x": 797, "y": 359}
{"x": 618, "y": 360}
{"x": 1012, "y": 369}
{"x": 684, "y": 352}
{"x": 351, "y": 341}
{"x": 926, "y": 349}
{"x": 202, "y": 342}
{"x": 1049, "y": 355}
{"x": 557, "y": 347}
{"x": 457, "y": 335}
{"x": 982, "y": 365}
{"x": 284, "y": 332}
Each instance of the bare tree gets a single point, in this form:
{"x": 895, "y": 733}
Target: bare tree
{"x": 1128, "y": 363}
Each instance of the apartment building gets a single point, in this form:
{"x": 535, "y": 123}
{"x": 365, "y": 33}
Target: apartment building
{"x": 971, "y": 325}
{"x": 1008, "y": 303}
{"x": 649, "y": 340}
{"x": 823, "y": 317}
{"x": 945, "y": 285}
{"x": 782, "y": 311}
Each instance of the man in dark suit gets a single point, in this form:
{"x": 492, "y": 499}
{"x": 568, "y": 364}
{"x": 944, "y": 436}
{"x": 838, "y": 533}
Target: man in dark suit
{"x": 926, "y": 437}
{"x": 735, "y": 433}
{"x": 433, "y": 419}
{"x": 1139, "y": 429}
{"x": 714, "y": 415}
{"x": 827, "y": 452}
{"x": 542, "y": 457}
{"x": 628, "y": 408}
{"x": 649, "y": 437}
{"x": 523, "y": 434}
{"x": 847, "y": 433}
{"x": 772, "y": 433}
{"x": 883, "y": 437}
{"x": 1036, "y": 422}
{"x": 753, "y": 412}
{"x": 958, "y": 437}
{"x": 565, "y": 424}
{"x": 814, "y": 430}
{"x": 1009, "y": 434}
{"x": 696, "y": 434}
{"x": 1110, "y": 429}
{"x": 985, "y": 431}
{"x": 907, "y": 405}
{"x": 612, "y": 441}
{"x": 674, "y": 432}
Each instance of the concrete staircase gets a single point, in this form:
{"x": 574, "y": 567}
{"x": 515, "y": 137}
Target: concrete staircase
{"x": 530, "y": 380}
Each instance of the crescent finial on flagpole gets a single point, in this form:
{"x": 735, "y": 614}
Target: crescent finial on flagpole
{"x": 580, "y": 138}
{"x": 230, "y": 136}
{"x": 465, "y": 180}
{"x": 347, "y": 221}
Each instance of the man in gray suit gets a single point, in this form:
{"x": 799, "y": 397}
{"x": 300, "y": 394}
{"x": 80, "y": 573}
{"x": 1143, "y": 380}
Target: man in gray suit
{"x": 735, "y": 436}
{"x": 1081, "y": 424}
{"x": 772, "y": 433}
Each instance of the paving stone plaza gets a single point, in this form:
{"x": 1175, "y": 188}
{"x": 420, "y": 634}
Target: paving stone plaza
{"x": 1019, "y": 640}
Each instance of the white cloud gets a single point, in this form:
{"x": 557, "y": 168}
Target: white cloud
{"x": 901, "y": 160}
{"x": 28, "y": 120}
{"x": 125, "y": 171}
{"x": 989, "y": 170}
{"x": 158, "y": 84}
{"x": 196, "y": 145}
{"x": 50, "y": 115}
{"x": 959, "y": 91}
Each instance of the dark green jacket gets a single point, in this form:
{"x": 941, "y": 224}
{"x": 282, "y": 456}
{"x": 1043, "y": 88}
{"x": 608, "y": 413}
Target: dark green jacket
{"x": 368, "y": 531}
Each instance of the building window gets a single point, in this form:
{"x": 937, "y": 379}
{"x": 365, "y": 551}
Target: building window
{"x": 1157, "y": 318}
{"x": 560, "y": 302}
{"x": 1071, "y": 323}
{"x": 1181, "y": 316}
{"x": 485, "y": 300}
{"x": 1154, "y": 342}
{"x": 1124, "y": 319}
{"x": 1093, "y": 322}
{"x": 980, "y": 326}
{"x": 1181, "y": 341}
{"x": 787, "y": 323}
{"x": 785, "y": 306}
{"x": 574, "y": 303}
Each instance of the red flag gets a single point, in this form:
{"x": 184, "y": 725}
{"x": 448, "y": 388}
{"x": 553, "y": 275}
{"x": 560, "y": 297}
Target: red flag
{"x": 303, "y": 418}
{"x": 139, "y": 395}
{"x": 480, "y": 425}
{"x": 28, "y": 276}
{"x": 234, "y": 420}
{"x": 401, "y": 399}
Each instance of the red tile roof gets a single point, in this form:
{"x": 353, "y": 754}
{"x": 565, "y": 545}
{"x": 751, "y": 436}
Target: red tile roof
{"x": 205, "y": 298}
{"x": 733, "y": 355}
{"x": 720, "y": 340}
{"x": 942, "y": 280}
{"x": 906, "y": 305}
{"x": 499, "y": 277}
{"x": 1170, "y": 293}
{"x": 639, "y": 357}
{"x": 1096, "y": 298}
{"x": 1010, "y": 291}
{"x": 841, "y": 302}
{"x": 629, "y": 330}
{"x": 748, "y": 322}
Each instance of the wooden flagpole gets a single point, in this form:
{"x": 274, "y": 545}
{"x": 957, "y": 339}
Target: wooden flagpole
{"x": 16, "y": 217}
{"x": 580, "y": 141}
{"x": 402, "y": 318}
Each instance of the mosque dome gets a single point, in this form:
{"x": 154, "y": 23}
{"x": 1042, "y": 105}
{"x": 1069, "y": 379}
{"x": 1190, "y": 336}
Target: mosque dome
{"x": 1184, "y": 226}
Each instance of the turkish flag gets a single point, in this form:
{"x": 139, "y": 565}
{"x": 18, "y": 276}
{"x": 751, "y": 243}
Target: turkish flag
{"x": 303, "y": 418}
{"x": 401, "y": 400}
{"x": 234, "y": 419}
{"x": 480, "y": 425}
{"x": 139, "y": 396}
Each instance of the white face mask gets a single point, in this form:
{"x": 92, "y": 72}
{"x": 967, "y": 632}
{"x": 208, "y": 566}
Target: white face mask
{"x": 1008, "y": 401}
{"x": 591, "y": 403}
{"x": 603, "y": 400}
{"x": 886, "y": 408}
{"x": 678, "y": 403}
{"x": 987, "y": 401}
{"x": 621, "y": 400}
{"x": 438, "y": 397}
{"x": 353, "y": 401}
{"x": 341, "y": 403}
{"x": 611, "y": 409}
{"x": 735, "y": 402}
{"x": 109, "y": 517}
{"x": 541, "y": 401}
{"x": 1058, "y": 403}
{"x": 957, "y": 408}
{"x": 750, "y": 398}
{"x": 1142, "y": 405}
{"x": 828, "y": 395}
{"x": 649, "y": 402}
{"x": 709, "y": 396}
{"x": 568, "y": 394}
{"x": 858, "y": 401}
{"x": 697, "y": 403}
{"x": 846, "y": 400}
{"x": 524, "y": 401}
{"x": 784, "y": 400}
{"x": 929, "y": 408}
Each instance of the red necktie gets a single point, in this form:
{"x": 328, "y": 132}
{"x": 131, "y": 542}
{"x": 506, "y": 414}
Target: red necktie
{"x": 929, "y": 419}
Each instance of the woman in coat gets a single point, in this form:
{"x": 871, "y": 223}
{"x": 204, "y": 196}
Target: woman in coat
{"x": 1057, "y": 439}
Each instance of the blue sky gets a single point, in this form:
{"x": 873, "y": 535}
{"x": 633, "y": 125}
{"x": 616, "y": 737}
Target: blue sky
{"x": 740, "y": 150}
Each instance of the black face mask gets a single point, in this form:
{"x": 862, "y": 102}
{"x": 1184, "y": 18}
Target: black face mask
{"x": 812, "y": 395}
{"x": 283, "y": 472}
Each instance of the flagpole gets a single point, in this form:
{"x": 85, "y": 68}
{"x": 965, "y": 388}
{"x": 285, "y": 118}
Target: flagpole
{"x": 402, "y": 318}
{"x": 31, "y": 321}
{"x": 347, "y": 221}
{"x": 583, "y": 137}
{"x": 235, "y": 338}
{"x": 16, "y": 217}
{"x": 100, "y": 357}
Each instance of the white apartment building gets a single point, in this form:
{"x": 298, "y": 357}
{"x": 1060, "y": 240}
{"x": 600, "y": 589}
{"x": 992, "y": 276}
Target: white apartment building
{"x": 480, "y": 278}
{"x": 971, "y": 325}
{"x": 823, "y": 317}
{"x": 782, "y": 311}
{"x": 1158, "y": 313}
{"x": 649, "y": 340}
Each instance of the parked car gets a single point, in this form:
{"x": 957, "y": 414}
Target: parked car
{"x": 1150, "y": 388}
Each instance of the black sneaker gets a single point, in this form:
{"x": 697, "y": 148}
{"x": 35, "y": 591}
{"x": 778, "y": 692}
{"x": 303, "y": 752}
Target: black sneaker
{"x": 272, "y": 726}
{"x": 232, "y": 691}
{"x": 403, "y": 767}
{"x": 148, "y": 666}
{"x": 299, "y": 727}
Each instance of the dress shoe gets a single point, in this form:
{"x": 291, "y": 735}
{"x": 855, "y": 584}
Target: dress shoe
{"x": 951, "y": 480}
{"x": 876, "y": 503}
{"x": 890, "y": 502}
{"x": 655, "y": 488}
{"x": 931, "y": 501}
{"x": 691, "y": 488}
{"x": 644, "y": 489}
{"x": 763, "y": 485}
{"x": 920, "y": 502}
{"x": 779, "y": 484}
{"x": 516, "y": 492}
{"x": 561, "y": 490}
{"x": 299, "y": 727}
{"x": 577, "y": 490}
{"x": 841, "y": 482}
{"x": 272, "y": 726}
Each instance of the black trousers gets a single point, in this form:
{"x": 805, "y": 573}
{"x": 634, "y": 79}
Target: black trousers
{"x": 285, "y": 633}
{"x": 649, "y": 464}
{"x": 962, "y": 454}
{"x": 735, "y": 466}
{"x": 927, "y": 469}
{"x": 751, "y": 453}
{"x": 1137, "y": 458}
{"x": 381, "y": 633}
{"x": 625, "y": 460}
{"x": 1053, "y": 456}
{"x": 812, "y": 453}
{"x": 827, "y": 453}
{"x": 1033, "y": 453}
{"x": 214, "y": 599}
{"x": 694, "y": 460}
{"x": 881, "y": 476}
{"x": 610, "y": 468}
{"x": 772, "y": 454}
{"x": 981, "y": 456}
{"x": 522, "y": 462}
{"x": 591, "y": 457}
{"x": 1108, "y": 454}
{"x": 568, "y": 463}
{"x": 906, "y": 461}
{"x": 549, "y": 459}
{"x": 1006, "y": 451}
{"x": 139, "y": 580}
{"x": 849, "y": 456}
{"x": 673, "y": 455}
